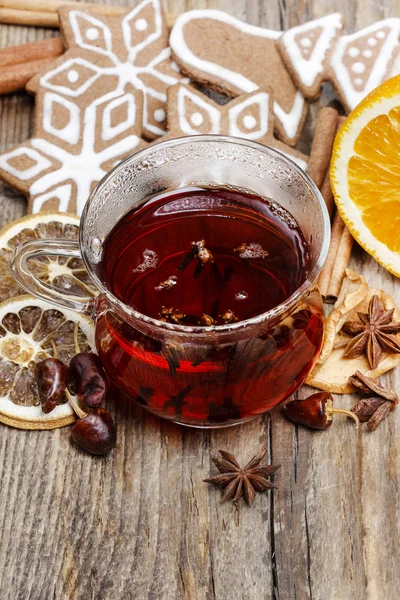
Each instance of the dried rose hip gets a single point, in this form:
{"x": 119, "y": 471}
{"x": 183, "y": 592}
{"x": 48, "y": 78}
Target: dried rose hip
{"x": 95, "y": 432}
{"x": 91, "y": 383}
{"x": 315, "y": 411}
{"x": 52, "y": 378}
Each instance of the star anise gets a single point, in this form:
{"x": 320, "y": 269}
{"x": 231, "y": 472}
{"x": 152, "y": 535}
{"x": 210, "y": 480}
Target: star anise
{"x": 378, "y": 401}
{"x": 374, "y": 332}
{"x": 237, "y": 482}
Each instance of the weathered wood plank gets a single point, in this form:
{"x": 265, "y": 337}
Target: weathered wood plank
{"x": 141, "y": 524}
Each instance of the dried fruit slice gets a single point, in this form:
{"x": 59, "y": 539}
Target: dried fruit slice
{"x": 63, "y": 273}
{"x": 31, "y": 330}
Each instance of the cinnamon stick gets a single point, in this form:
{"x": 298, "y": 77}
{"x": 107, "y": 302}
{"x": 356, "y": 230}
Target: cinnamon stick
{"x": 28, "y": 17}
{"x": 340, "y": 264}
{"x": 327, "y": 194}
{"x": 43, "y": 13}
{"x": 321, "y": 149}
{"x": 54, "y": 5}
{"x": 15, "y": 77}
{"x": 327, "y": 269}
{"x": 15, "y": 55}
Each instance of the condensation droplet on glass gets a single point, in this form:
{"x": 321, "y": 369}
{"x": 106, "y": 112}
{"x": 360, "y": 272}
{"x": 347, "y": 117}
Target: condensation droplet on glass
{"x": 96, "y": 247}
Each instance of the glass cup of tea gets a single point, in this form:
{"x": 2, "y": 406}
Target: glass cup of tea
{"x": 205, "y": 252}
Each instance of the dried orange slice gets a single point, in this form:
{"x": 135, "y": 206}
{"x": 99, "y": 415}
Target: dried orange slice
{"x": 365, "y": 174}
{"x": 32, "y": 330}
{"x": 65, "y": 274}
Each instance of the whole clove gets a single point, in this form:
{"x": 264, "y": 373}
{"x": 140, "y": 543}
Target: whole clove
{"x": 206, "y": 321}
{"x": 202, "y": 254}
{"x": 171, "y": 315}
{"x": 228, "y": 317}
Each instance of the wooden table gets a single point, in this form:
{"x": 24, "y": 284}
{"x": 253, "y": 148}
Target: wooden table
{"x": 140, "y": 524}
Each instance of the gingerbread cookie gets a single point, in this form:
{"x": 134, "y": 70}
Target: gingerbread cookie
{"x": 133, "y": 47}
{"x": 306, "y": 51}
{"x": 77, "y": 138}
{"x": 233, "y": 57}
{"x": 251, "y": 116}
{"x": 363, "y": 60}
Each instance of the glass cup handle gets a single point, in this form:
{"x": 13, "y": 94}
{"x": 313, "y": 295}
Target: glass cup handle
{"x": 40, "y": 289}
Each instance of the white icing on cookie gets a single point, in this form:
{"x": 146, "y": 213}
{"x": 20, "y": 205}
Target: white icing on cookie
{"x": 353, "y": 52}
{"x": 249, "y": 121}
{"x": 110, "y": 130}
{"x": 141, "y": 25}
{"x": 160, "y": 115}
{"x": 381, "y": 35}
{"x": 358, "y": 67}
{"x": 197, "y": 119}
{"x": 289, "y": 120}
{"x": 305, "y": 42}
{"x": 73, "y": 76}
{"x": 184, "y": 118}
{"x": 70, "y": 132}
{"x": 367, "y": 53}
{"x": 261, "y": 103}
{"x": 62, "y": 193}
{"x": 91, "y": 34}
{"x": 74, "y": 70}
{"x": 358, "y": 81}
{"x": 81, "y": 165}
{"x": 308, "y": 69}
{"x": 382, "y": 66}
{"x": 41, "y": 163}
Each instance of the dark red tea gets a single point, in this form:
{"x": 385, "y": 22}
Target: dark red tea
{"x": 208, "y": 257}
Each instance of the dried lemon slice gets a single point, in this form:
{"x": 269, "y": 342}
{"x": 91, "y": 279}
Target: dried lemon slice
{"x": 32, "y": 330}
{"x": 65, "y": 274}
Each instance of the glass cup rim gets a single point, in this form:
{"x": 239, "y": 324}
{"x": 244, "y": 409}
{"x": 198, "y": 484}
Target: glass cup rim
{"x": 269, "y": 315}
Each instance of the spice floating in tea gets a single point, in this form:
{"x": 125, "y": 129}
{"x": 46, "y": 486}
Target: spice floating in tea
{"x": 229, "y": 317}
{"x": 206, "y": 321}
{"x": 171, "y": 315}
{"x": 251, "y": 251}
{"x": 199, "y": 251}
{"x": 167, "y": 284}
{"x": 193, "y": 235}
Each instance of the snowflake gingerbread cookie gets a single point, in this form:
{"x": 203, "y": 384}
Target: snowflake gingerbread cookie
{"x": 134, "y": 48}
{"x": 76, "y": 140}
{"x": 92, "y": 105}
{"x": 233, "y": 58}
{"x": 250, "y": 116}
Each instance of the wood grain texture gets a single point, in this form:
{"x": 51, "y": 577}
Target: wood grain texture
{"x": 141, "y": 525}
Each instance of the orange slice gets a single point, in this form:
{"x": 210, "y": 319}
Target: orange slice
{"x": 65, "y": 274}
{"x": 32, "y": 330}
{"x": 365, "y": 174}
